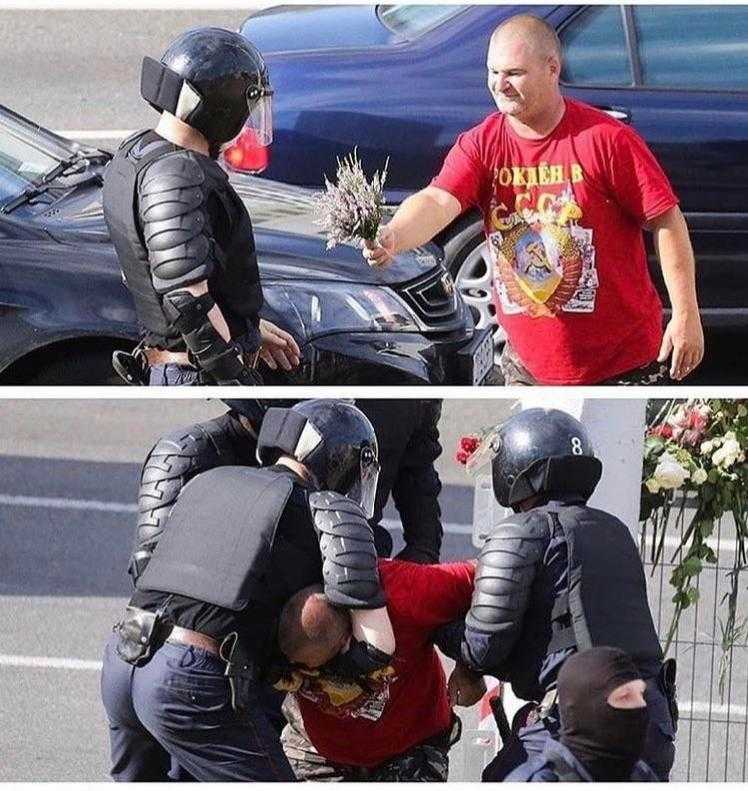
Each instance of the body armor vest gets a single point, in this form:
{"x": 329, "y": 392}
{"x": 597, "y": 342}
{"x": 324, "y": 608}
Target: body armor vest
{"x": 235, "y": 282}
{"x": 596, "y": 596}
{"x": 220, "y": 537}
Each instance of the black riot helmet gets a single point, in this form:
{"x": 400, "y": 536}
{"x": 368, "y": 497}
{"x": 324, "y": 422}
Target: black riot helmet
{"x": 214, "y": 80}
{"x": 333, "y": 439}
{"x": 543, "y": 451}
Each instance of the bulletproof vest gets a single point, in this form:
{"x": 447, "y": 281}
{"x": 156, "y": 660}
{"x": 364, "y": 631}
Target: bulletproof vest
{"x": 589, "y": 591}
{"x": 235, "y": 282}
{"x": 219, "y": 537}
{"x": 605, "y": 602}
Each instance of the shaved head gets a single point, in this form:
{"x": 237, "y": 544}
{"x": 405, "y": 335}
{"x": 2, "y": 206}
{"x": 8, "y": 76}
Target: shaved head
{"x": 536, "y": 33}
{"x": 524, "y": 69}
{"x": 310, "y": 630}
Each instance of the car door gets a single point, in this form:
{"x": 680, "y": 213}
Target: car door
{"x": 678, "y": 75}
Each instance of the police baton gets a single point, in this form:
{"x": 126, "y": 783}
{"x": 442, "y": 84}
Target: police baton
{"x": 502, "y": 723}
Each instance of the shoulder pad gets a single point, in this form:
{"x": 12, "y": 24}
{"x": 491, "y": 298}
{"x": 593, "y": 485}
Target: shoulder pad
{"x": 324, "y": 502}
{"x": 175, "y": 222}
{"x": 531, "y": 525}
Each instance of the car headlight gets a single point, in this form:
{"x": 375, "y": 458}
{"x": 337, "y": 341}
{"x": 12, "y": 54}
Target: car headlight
{"x": 330, "y": 307}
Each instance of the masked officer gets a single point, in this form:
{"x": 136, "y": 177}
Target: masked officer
{"x": 183, "y": 672}
{"x": 408, "y": 435}
{"x": 182, "y": 235}
{"x": 558, "y": 577}
{"x": 603, "y": 717}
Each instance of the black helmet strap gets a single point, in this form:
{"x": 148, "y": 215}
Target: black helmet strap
{"x": 164, "y": 89}
{"x": 557, "y": 474}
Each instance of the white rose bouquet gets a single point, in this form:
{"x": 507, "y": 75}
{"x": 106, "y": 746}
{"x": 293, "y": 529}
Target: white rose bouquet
{"x": 698, "y": 449}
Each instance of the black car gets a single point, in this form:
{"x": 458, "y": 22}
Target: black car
{"x": 65, "y": 308}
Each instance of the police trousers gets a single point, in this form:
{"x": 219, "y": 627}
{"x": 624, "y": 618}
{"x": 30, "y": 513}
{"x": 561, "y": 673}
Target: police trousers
{"x": 659, "y": 747}
{"x": 172, "y": 719}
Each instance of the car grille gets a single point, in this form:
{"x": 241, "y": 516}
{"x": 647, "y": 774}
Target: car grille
{"x": 433, "y": 298}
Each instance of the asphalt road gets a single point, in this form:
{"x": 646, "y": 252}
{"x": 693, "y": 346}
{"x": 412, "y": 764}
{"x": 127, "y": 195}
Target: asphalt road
{"x": 68, "y": 472}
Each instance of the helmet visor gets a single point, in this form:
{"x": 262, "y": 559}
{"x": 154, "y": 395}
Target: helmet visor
{"x": 364, "y": 490}
{"x": 260, "y": 119}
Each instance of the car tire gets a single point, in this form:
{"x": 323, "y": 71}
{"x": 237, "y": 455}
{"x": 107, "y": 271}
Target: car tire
{"x": 92, "y": 367}
{"x": 467, "y": 258}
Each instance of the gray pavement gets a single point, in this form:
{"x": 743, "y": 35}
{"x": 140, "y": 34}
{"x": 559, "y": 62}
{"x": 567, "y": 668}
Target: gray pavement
{"x": 81, "y": 69}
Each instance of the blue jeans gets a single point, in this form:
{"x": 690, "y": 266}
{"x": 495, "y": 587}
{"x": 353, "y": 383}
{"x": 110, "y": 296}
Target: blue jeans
{"x": 173, "y": 374}
{"x": 172, "y": 719}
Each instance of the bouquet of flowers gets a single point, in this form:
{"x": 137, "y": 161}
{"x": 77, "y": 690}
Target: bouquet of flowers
{"x": 698, "y": 449}
{"x": 352, "y": 208}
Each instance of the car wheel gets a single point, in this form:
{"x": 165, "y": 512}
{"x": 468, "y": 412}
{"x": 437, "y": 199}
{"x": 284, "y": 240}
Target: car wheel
{"x": 87, "y": 368}
{"x": 469, "y": 263}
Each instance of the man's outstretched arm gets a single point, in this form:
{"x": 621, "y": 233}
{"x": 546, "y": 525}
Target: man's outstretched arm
{"x": 418, "y": 219}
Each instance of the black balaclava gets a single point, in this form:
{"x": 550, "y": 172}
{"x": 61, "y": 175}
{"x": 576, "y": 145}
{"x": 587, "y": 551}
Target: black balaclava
{"x": 607, "y": 740}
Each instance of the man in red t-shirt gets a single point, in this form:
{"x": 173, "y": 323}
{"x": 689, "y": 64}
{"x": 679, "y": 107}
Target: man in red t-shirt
{"x": 396, "y": 724}
{"x": 565, "y": 192}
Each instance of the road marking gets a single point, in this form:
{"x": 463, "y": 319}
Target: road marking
{"x": 687, "y": 708}
{"x": 95, "y": 134}
{"x": 50, "y": 662}
{"x": 18, "y": 500}
{"x": 451, "y": 528}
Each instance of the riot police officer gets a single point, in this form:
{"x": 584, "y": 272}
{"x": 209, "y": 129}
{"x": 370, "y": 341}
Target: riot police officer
{"x": 183, "y": 237}
{"x": 181, "y": 454}
{"x": 603, "y": 716}
{"x": 558, "y": 577}
{"x": 408, "y": 435}
{"x": 185, "y": 668}
{"x": 408, "y": 440}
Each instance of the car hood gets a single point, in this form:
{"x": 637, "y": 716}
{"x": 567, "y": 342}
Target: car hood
{"x": 289, "y": 245}
{"x": 309, "y": 28}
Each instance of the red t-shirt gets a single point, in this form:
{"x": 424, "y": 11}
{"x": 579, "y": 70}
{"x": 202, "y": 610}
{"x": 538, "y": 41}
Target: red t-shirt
{"x": 563, "y": 218}
{"x": 407, "y": 704}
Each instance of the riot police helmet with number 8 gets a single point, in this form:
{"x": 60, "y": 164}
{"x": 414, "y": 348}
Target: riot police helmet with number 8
{"x": 543, "y": 452}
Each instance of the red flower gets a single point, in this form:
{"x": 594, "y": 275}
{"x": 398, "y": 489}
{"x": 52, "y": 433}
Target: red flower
{"x": 664, "y": 430}
{"x": 467, "y": 446}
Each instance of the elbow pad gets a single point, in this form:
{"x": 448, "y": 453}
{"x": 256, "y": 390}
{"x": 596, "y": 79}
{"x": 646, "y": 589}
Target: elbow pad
{"x": 349, "y": 557}
{"x": 211, "y": 353}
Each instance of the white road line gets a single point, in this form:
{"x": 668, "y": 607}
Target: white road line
{"x": 687, "y": 708}
{"x": 48, "y": 662}
{"x": 452, "y": 528}
{"x": 17, "y": 500}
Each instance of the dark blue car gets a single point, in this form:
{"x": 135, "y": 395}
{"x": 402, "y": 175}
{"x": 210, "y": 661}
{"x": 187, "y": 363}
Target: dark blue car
{"x": 403, "y": 81}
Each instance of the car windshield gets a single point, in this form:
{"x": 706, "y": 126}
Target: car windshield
{"x": 21, "y": 162}
{"x": 410, "y": 21}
